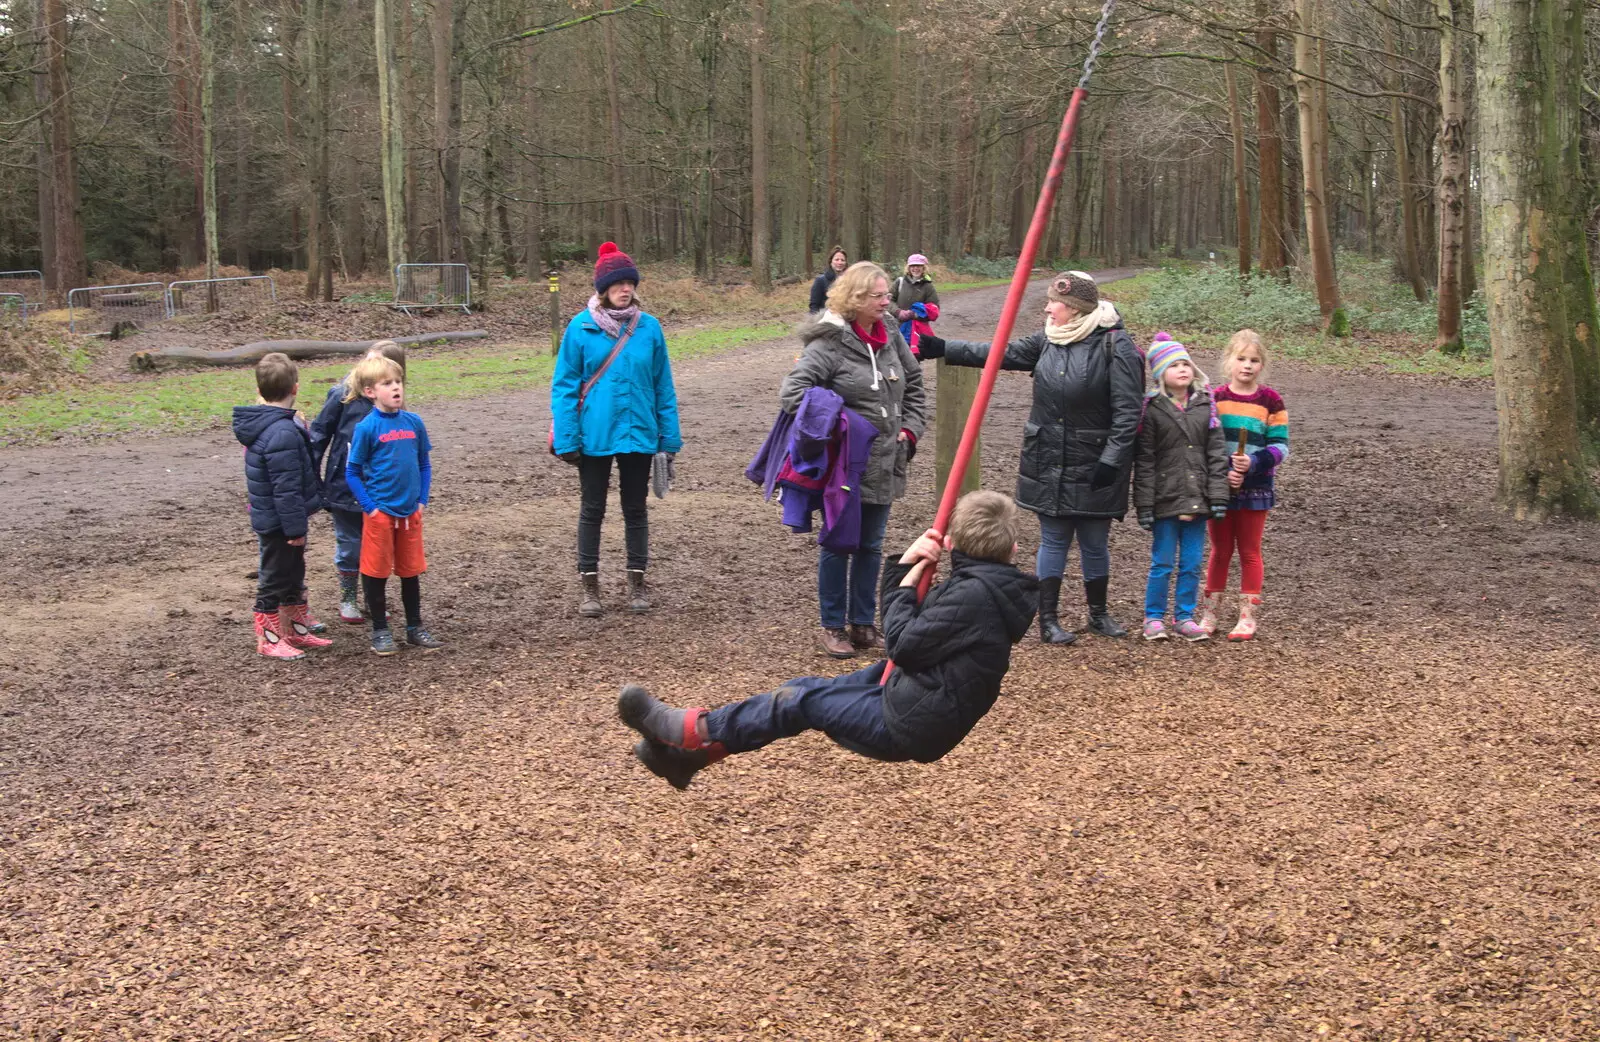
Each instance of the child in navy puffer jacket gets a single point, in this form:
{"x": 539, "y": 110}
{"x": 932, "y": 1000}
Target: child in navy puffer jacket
{"x": 330, "y": 449}
{"x": 284, "y": 493}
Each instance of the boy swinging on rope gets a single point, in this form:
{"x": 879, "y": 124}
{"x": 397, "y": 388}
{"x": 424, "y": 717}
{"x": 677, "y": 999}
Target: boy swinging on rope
{"x": 950, "y": 653}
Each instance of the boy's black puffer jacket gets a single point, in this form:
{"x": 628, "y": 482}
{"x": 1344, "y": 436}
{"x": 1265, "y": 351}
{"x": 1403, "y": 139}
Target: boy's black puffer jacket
{"x": 278, "y": 472}
{"x": 951, "y": 652}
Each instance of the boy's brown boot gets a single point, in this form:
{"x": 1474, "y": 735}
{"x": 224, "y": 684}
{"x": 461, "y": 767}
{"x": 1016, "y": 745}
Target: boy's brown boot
{"x": 589, "y": 605}
{"x": 672, "y": 747}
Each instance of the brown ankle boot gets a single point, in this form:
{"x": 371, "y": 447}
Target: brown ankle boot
{"x": 638, "y": 597}
{"x": 589, "y": 606}
{"x": 836, "y": 643}
{"x": 866, "y": 638}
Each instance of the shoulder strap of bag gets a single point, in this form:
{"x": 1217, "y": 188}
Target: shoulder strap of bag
{"x": 622, "y": 341}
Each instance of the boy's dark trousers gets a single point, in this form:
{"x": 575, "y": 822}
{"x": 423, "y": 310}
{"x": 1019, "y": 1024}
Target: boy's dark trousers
{"x": 848, "y": 709}
{"x": 282, "y": 574}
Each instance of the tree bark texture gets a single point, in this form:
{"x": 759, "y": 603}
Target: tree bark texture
{"x": 392, "y": 131}
{"x": 760, "y": 215}
{"x": 447, "y": 14}
{"x": 70, "y": 268}
{"x": 1541, "y": 467}
{"x": 1452, "y": 176}
{"x": 1241, "y": 176}
{"x": 1269, "y": 151}
{"x": 1313, "y": 157}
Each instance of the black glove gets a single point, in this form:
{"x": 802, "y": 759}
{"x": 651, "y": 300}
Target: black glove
{"x": 930, "y": 346}
{"x": 570, "y": 457}
{"x": 1219, "y": 512}
{"x": 1147, "y": 521}
{"x": 1105, "y": 475}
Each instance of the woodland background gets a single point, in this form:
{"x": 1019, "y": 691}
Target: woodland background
{"x": 340, "y": 137}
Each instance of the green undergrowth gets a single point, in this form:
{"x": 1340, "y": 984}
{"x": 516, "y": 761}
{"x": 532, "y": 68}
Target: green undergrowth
{"x": 1390, "y": 329}
{"x": 184, "y": 401}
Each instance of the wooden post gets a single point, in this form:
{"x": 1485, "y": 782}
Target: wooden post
{"x": 555, "y": 311}
{"x": 955, "y": 390}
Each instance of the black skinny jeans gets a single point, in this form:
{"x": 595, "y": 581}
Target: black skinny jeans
{"x": 594, "y": 472}
{"x": 282, "y": 573}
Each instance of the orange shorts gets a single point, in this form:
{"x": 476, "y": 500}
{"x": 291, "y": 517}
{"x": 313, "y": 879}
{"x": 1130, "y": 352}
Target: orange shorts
{"x": 392, "y": 545}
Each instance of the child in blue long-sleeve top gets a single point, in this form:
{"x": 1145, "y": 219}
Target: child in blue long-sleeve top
{"x": 343, "y": 408}
{"x": 389, "y": 473}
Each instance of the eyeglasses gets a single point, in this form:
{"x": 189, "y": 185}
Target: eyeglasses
{"x": 879, "y": 296}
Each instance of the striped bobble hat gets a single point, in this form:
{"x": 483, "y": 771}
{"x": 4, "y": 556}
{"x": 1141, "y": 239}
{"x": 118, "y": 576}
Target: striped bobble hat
{"x": 1163, "y": 352}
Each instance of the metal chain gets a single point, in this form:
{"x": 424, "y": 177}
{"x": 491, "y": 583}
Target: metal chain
{"x": 1094, "y": 46}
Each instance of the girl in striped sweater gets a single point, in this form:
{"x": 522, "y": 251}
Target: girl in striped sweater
{"x": 1247, "y": 406}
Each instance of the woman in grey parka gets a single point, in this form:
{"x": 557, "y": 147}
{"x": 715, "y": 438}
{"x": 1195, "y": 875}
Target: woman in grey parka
{"x": 1077, "y": 446}
{"x": 853, "y": 351}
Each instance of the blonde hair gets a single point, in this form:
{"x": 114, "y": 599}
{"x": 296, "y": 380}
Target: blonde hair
{"x": 1236, "y": 344}
{"x": 986, "y": 525}
{"x": 853, "y": 288}
{"x": 394, "y": 352}
{"x": 369, "y": 372}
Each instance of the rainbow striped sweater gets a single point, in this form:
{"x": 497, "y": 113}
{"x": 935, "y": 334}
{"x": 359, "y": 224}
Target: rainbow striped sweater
{"x": 1265, "y": 420}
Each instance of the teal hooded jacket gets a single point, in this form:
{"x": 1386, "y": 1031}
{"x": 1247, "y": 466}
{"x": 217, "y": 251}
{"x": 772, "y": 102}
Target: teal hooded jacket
{"x": 633, "y": 407}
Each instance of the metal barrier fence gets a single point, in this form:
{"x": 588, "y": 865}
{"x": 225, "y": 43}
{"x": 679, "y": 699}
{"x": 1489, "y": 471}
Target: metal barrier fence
{"x": 96, "y": 309}
{"x": 29, "y": 285}
{"x": 211, "y": 296}
{"x": 13, "y": 308}
{"x": 432, "y": 286}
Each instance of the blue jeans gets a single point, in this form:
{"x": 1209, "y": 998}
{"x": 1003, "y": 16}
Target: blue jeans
{"x": 1055, "y": 539}
{"x": 346, "y": 539}
{"x": 848, "y": 709}
{"x": 860, "y": 585}
{"x": 1175, "y": 542}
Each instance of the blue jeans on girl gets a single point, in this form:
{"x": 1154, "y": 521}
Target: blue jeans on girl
{"x": 1180, "y": 543}
{"x": 848, "y": 583}
{"x": 848, "y": 709}
{"x": 346, "y": 539}
{"x": 1055, "y": 539}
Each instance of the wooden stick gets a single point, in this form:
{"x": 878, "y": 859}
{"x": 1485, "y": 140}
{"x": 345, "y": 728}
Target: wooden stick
{"x": 293, "y": 348}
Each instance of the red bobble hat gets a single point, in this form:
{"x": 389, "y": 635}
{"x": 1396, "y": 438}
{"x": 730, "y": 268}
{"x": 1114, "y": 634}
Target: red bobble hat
{"x": 613, "y": 266}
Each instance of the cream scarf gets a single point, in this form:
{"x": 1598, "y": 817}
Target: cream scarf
{"x": 1103, "y": 317}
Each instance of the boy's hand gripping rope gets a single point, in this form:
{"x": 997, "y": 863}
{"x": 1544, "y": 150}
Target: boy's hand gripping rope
{"x": 1013, "y": 304}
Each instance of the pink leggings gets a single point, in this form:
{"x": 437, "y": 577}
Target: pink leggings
{"x": 1241, "y": 528}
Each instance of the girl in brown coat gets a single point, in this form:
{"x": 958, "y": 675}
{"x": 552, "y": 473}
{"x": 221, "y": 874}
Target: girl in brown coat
{"x": 1180, "y": 479}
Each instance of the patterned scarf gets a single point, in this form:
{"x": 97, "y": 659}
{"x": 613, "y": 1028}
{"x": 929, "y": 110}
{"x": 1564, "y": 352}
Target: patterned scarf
{"x": 609, "y": 319}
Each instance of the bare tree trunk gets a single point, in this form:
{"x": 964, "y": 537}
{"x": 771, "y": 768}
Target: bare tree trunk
{"x": 446, "y": 124}
{"x": 1241, "y": 177}
{"x": 760, "y": 215}
{"x": 532, "y": 212}
{"x": 1567, "y": 184}
{"x": 1536, "y": 401}
{"x": 1269, "y": 136}
{"x": 319, "y": 265}
{"x": 70, "y": 269}
{"x": 392, "y": 133}
{"x": 1313, "y": 156}
{"x": 1412, "y": 255}
{"x": 1452, "y": 175}
{"x": 617, "y": 208}
{"x": 835, "y": 153}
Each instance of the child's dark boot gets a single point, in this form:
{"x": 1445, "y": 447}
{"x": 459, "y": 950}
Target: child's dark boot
{"x": 673, "y": 747}
{"x": 349, "y": 598}
{"x": 589, "y": 605}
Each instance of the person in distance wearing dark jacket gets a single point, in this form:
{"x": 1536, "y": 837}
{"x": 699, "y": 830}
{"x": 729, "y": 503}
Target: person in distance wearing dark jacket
{"x": 950, "y": 653}
{"x": 284, "y": 493}
{"x": 837, "y": 262}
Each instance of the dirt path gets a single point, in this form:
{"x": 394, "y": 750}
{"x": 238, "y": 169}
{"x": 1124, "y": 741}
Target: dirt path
{"x": 1376, "y": 822}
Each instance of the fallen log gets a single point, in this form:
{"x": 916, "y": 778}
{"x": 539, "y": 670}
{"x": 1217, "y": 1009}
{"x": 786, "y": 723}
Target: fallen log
{"x": 293, "y": 348}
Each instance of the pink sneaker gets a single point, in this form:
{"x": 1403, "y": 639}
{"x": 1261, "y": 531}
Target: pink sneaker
{"x": 1155, "y": 629}
{"x": 1189, "y": 629}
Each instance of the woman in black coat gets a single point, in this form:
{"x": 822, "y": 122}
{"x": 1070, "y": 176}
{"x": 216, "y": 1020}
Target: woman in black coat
{"x": 837, "y": 262}
{"x": 1077, "y": 446}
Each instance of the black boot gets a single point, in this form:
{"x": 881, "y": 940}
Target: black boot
{"x": 1100, "y": 620}
{"x": 589, "y": 605}
{"x": 1050, "y": 631}
{"x": 671, "y": 747}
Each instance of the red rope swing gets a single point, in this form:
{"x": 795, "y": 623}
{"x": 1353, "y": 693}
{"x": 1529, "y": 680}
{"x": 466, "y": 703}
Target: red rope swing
{"x": 1019, "y": 286}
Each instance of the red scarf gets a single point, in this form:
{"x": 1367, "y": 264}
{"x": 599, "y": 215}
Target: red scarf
{"x": 875, "y": 339}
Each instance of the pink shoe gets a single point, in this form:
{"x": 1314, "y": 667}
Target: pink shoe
{"x": 1155, "y": 629}
{"x": 296, "y": 621}
{"x": 1249, "y": 603}
{"x": 1189, "y": 629}
{"x": 269, "y": 639}
{"x": 1208, "y": 612}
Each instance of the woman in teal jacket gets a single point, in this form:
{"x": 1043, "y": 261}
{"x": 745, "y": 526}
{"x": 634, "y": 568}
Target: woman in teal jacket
{"x": 628, "y": 412}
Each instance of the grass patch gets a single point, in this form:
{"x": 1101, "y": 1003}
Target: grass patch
{"x": 1204, "y": 304}
{"x": 181, "y": 402}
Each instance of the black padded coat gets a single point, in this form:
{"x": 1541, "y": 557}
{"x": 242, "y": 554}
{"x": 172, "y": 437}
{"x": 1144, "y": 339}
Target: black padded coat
{"x": 951, "y": 652}
{"x": 1086, "y": 404}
